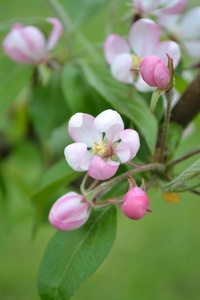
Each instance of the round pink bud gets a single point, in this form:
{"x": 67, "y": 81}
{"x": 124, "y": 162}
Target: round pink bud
{"x": 136, "y": 203}
{"x": 69, "y": 212}
{"x": 154, "y": 72}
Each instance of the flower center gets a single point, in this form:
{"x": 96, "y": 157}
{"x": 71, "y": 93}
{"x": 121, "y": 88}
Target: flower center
{"x": 136, "y": 60}
{"x": 101, "y": 148}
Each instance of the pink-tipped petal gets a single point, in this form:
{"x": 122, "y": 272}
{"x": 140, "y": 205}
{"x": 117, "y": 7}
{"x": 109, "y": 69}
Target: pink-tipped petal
{"x": 129, "y": 145}
{"x": 55, "y": 33}
{"x": 144, "y": 37}
{"x": 121, "y": 68}
{"x": 78, "y": 157}
{"x": 172, "y": 49}
{"x": 101, "y": 170}
{"x": 147, "y": 69}
{"x": 190, "y": 26}
{"x": 110, "y": 122}
{"x": 173, "y": 7}
{"x": 81, "y": 129}
{"x": 115, "y": 45}
{"x": 162, "y": 76}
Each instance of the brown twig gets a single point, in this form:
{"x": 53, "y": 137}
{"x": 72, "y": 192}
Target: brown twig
{"x": 182, "y": 158}
{"x": 189, "y": 105}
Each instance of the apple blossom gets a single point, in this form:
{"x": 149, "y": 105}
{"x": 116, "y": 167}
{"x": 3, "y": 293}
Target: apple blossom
{"x": 154, "y": 72}
{"x": 101, "y": 143}
{"x": 185, "y": 29}
{"x": 136, "y": 203}
{"x": 156, "y": 7}
{"x": 28, "y": 45}
{"x": 143, "y": 40}
{"x": 69, "y": 212}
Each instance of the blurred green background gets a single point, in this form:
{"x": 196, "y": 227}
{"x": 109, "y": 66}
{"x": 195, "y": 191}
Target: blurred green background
{"x": 154, "y": 258}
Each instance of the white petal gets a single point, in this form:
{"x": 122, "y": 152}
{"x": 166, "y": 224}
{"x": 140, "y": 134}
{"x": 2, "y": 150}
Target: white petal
{"x": 78, "y": 157}
{"x": 110, "y": 122}
{"x": 192, "y": 48}
{"x": 81, "y": 129}
{"x": 190, "y": 26}
{"x": 121, "y": 68}
{"x": 143, "y": 37}
{"x": 145, "y": 6}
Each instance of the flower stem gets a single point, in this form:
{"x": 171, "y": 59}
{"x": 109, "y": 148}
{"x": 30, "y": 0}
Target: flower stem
{"x": 168, "y": 95}
{"x": 182, "y": 158}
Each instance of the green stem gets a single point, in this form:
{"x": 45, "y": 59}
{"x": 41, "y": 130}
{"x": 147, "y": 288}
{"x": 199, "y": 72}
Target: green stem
{"x": 154, "y": 166}
{"x": 168, "y": 95}
{"x": 101, "y": 189}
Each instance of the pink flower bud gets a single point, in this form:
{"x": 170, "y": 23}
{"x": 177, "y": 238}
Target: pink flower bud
{"x": 154, "y": 71}
{"x": 136, "y": 203}
{"x": 69, "y": 212}
{"x": 28, "y": 45}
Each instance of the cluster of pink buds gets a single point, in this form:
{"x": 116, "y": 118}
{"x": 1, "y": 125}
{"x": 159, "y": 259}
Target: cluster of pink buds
{"x": 28, "y": 44}
{"x": 72, "y": 210}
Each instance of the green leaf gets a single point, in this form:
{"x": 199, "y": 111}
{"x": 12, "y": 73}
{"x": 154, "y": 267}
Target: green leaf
{"x": 178, "y": 184}
{"x": 48, "y": 108}
{"x": 59, "y": 175}
{"x": 154, "y": 99}
{"x": 73, "y": 256}
{"x": 14, "y": 78}
{"x": 117, "y": 95}
{"x": 81, "y": 11}
{"x": 78, "y": 93}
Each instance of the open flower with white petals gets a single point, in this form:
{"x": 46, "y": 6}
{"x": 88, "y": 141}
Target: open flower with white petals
{"x": 185, "y": 29}
{"x": 155, "y": 7}
{"x": 101, "y": 143}
{"x": 144, "y": 39}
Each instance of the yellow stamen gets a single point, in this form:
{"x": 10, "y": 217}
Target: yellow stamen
{"x": 136, "y": 60}
{"x": 101, "y": 148}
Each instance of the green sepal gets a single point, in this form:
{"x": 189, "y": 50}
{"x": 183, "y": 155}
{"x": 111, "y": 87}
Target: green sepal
{"x": 154, "y": 99}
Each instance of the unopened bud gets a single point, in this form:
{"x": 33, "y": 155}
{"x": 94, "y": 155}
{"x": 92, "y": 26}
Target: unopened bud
{"x": 154, "y": 72}
{"x": 136, "y": 203}
{"x": 69, "y": 212}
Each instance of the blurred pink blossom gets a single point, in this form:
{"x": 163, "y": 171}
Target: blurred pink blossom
{"x": 69, "y": 212}
{"x": 154, "y": 72}
{"x": 156, "y": 7}
{"x": 28, "y": 45}
{"x": 185, "y": 29}
{"x": 101, "y": 144}
{"x": 136, "y": 203}
{"x": 143, "y": 40}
